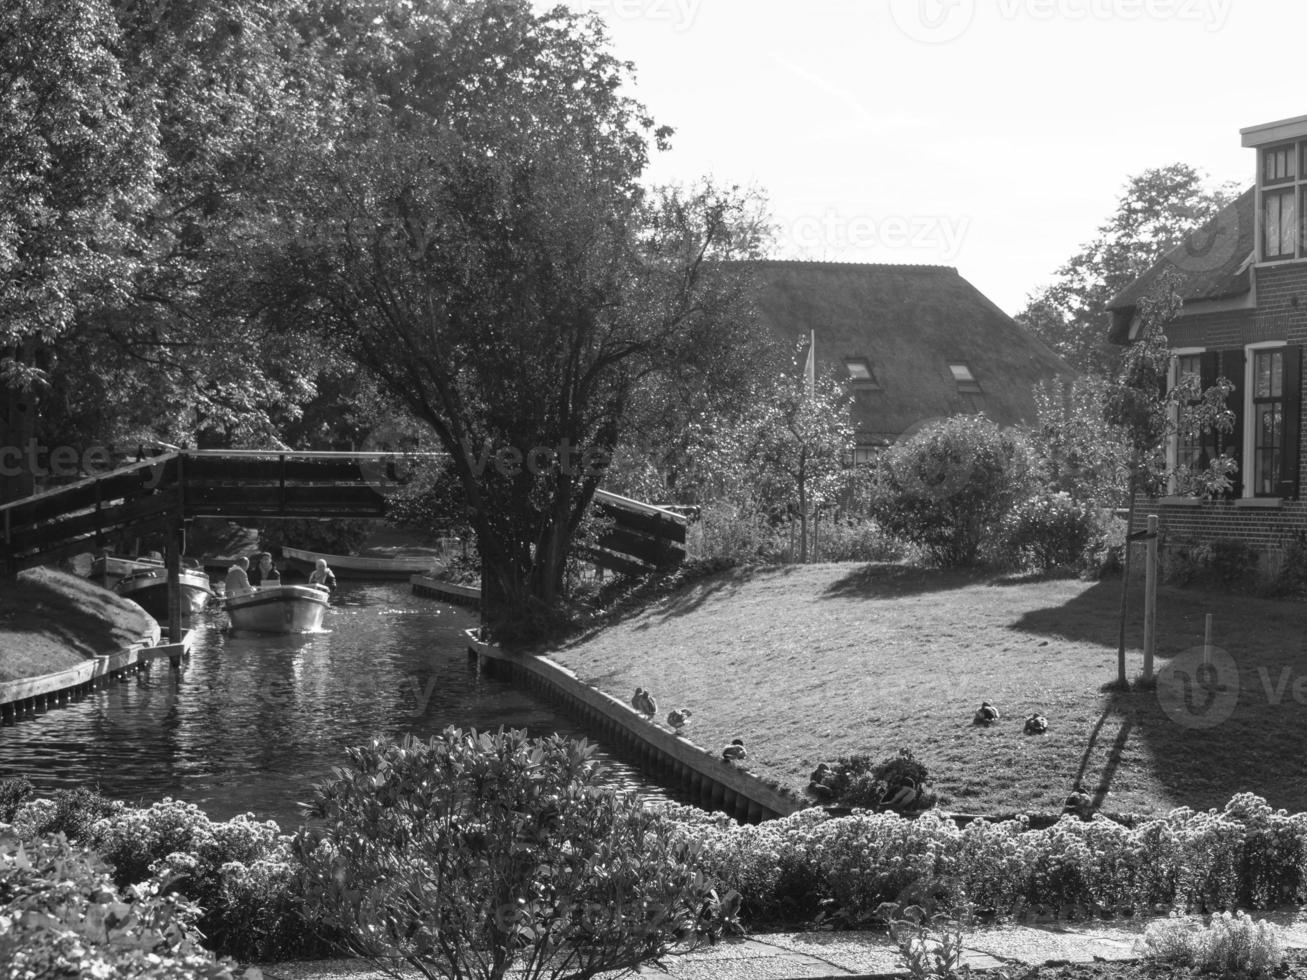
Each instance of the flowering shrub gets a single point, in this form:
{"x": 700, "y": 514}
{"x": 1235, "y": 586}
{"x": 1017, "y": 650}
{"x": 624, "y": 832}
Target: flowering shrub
{"x": 60, "y": 915}
{"x": 1230, "y": 945}
{"x": 812, "y": 865}
{"x": 240, "y": 872}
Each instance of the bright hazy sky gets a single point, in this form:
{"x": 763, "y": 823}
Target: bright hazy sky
{"x": 990, "y": 135}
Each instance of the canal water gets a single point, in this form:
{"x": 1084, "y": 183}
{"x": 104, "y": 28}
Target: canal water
{"x": 252, "y": 722}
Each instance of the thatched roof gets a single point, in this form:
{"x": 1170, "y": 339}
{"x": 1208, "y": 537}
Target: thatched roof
{"x": 910, "y": 322}
{"x": 1213, "y": 262}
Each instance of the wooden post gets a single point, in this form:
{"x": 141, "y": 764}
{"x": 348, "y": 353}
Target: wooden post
{"x": 176, "y": 545}
{"x": 1207, "y": 641}
{"x": 1150, "y": 598}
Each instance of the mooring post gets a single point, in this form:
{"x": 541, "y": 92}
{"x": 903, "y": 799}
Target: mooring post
{"x": 1150, "y": 597}
{"x": 176, "y": 545}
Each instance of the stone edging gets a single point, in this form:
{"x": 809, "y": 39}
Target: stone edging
{"x": 29, "y": 695}
{"x": 434, "y": 588}
{"x": 703, "y": 776}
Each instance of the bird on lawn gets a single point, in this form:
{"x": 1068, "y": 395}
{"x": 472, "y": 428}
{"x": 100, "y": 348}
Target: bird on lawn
{"x": 735, "y": 752}
{"x": 678, "y": 718}
{"x": 1036, "y": 724}
{"x": 644, "y": 703}
{"x": 986, "y": 714}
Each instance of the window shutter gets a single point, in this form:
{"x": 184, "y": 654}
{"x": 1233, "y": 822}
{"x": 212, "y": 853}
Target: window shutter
{"x": 1209, "y": 369}
{"x": 1210, "y": 366}
{"x": 1292, "y": 411}
{"x": 1231, "y": 443}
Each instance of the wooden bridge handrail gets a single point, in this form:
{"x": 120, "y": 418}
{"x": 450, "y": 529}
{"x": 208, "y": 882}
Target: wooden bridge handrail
{"x": 90, "y": 480}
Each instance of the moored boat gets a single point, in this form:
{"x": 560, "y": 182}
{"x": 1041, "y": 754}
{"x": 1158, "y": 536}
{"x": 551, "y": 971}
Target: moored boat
{"x": 107, "y": 570}
{"x": 278, "y": 609}
{"x": 362, "y": 566}
{"x": 148, "y": 587}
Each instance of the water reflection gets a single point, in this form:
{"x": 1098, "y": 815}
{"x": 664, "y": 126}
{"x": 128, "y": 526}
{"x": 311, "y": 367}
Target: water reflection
{"x": 252, "y": 722}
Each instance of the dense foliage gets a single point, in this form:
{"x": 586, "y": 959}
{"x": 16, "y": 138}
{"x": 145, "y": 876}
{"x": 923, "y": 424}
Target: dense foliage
{"x": 476, "y": 855}
{"x": 60, "y": 915}
{"x": 798, "y": 867}
{"x": 950, "y": 485}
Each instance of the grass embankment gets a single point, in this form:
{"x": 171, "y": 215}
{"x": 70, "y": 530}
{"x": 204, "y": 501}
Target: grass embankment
{"x": 808, "y": 663}
{"x": 50, "y": 621}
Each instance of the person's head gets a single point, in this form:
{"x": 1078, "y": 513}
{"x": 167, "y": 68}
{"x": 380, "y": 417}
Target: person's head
{"x": 322, "y": 564}
{"x": 242, "y": 562}
{"x": 265, "y": 559}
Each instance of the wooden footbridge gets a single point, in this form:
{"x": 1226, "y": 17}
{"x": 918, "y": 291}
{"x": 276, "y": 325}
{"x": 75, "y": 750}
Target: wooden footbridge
{"x": 165, "y": 492}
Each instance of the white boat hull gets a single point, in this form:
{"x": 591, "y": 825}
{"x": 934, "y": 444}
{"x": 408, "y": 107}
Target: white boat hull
{"x": 149, "y": 588}
{"x": 278, "y": 609}
{"x": 360, "y": 567}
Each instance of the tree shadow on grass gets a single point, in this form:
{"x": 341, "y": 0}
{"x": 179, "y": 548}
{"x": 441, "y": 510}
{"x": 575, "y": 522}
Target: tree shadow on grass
{"x": 886, "y": 581}
{"x": 695, "y": 595}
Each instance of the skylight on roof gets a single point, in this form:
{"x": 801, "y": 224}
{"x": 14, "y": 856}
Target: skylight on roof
{"x": 965, "y": 379}
{"x": 860, "y": 372}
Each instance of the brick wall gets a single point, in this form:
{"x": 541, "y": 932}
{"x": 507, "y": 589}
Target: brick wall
{"x": 1281, "y": 314}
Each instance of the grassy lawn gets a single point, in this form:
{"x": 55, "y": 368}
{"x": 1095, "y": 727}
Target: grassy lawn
{"x": 807, "y": 663}
{"x": 50, "y": 621}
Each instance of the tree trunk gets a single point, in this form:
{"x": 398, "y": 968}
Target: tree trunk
{"x": 1125, "y": 587}
{"x": 803, "y": 519}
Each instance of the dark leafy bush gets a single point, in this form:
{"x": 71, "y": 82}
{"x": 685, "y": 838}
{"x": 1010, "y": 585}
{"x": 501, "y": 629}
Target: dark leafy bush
{"x": 63, "y": 917}
{"x": 339, "y": 537}
{"x": 1048, "y": 530}
{"x": 14, "y": 792}
{"x": 1290, "y": 575}
{"x": 855, "y": 781}
{"x": 950, "y": 485}
{"x": 473, "y": 854}
{"x": 1233, "y": 563}
{"x": 1105, "y": 553}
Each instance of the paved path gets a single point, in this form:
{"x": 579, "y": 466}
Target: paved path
{"x": 812, "y": 955}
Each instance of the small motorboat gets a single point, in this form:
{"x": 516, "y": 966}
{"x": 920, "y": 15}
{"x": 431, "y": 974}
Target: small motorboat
{"x": 360, "y": 566}
{"x": 278, "y": 609}
{"x": 107, "y": 570}
{"x": 148, "y": 587}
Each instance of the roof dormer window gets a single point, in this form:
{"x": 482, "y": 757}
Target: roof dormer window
{"x": 966, "y": 381}
{"x": 860, "y": 373}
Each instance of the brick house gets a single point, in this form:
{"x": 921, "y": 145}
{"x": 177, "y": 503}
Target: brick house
{"x": 914, "y": 343}
{"x": 1243, "y": 279}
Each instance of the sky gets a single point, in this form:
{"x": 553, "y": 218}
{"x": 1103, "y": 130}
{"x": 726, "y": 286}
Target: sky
{"x": 994, "y": 136}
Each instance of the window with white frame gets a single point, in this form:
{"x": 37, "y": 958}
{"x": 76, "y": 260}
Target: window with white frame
{"x": 1282, "y": 191}
{"x": 1191, "y": 452}
{"x": 1266, "y": 419}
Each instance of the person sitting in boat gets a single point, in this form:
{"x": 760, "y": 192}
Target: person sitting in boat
{"x": 322, "y": 575}
{"x": 265, "y": 573}
{"x": 238, "y": 581}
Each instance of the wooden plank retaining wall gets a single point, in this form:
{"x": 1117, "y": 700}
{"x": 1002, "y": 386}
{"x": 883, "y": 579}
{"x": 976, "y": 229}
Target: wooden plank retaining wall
{"x": 702, "y": 776}
{"x": 455, "y": 595}
{"x": 29, "y": 695}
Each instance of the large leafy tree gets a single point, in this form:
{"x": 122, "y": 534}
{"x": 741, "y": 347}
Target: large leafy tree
{"x": 476, "y": 233}
{"x": 1157, "y": 209}
{"x": 78, "y": 162}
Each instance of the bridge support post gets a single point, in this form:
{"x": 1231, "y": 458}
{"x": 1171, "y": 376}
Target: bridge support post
{"x": 176, "y": 542}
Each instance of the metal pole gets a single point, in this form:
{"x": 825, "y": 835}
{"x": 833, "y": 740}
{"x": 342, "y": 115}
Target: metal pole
{"x": 1150, "y": 598}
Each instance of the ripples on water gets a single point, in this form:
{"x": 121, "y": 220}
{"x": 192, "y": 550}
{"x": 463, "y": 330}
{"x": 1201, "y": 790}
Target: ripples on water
{"x": 252, "y": 722}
